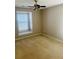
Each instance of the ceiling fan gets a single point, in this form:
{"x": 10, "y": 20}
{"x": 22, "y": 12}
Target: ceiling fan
{"x": 37, "y": 6}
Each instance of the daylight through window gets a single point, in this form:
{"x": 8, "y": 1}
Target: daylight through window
{"x": 24, "y": 22}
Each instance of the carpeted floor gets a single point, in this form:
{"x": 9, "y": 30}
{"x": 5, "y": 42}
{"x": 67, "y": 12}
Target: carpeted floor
{"x": 38, "y": 47}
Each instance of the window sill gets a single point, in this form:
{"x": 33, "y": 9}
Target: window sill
{"x": 25, "y": 33}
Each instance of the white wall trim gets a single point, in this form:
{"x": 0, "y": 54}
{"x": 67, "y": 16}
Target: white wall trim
{"x": 53, "y": 38}
{"x": 27, "y": 36}
{"x": 32, "y": 35}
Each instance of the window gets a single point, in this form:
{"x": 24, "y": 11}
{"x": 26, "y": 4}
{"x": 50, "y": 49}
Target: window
{"x": 24, "y": 22}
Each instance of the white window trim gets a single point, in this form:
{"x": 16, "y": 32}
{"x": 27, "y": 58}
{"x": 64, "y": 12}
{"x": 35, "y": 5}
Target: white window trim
{"x": 28, "y": 32}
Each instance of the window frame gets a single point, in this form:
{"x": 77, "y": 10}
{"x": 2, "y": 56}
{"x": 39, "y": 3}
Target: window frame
{"x": 29, "y": 23}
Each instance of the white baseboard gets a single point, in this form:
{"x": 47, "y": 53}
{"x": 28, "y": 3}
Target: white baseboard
{"x": 27, "y": 36}
{"x": 53, "y": 38}
{"x": 32, "y": 35}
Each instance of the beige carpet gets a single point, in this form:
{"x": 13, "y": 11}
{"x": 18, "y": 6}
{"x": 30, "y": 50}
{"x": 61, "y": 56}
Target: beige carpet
{"x": 38, "y": 47}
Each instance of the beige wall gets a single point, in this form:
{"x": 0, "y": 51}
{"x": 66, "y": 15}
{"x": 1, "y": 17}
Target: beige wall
{"x": 36, "y": 20}
{"x": 49, "y": 21}
{"x": 53, "y": 21}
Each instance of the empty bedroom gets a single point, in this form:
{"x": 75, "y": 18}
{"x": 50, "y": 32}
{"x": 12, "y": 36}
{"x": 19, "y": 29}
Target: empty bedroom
{"x": 39, "y": 29}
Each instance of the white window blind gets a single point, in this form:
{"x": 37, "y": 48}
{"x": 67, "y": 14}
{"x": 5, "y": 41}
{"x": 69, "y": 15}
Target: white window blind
{"x": 24, "y": 22}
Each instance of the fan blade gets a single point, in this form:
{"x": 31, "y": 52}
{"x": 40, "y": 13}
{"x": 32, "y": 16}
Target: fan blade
{"x": 35, "y": 0}
{"x": 30, "y": 6}
{"x": 42, "y": 6}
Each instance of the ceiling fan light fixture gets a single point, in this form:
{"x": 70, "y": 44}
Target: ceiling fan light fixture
{"x": 37, "y": 6}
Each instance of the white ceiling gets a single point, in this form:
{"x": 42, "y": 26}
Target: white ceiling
{"x": 47, "y": 3}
